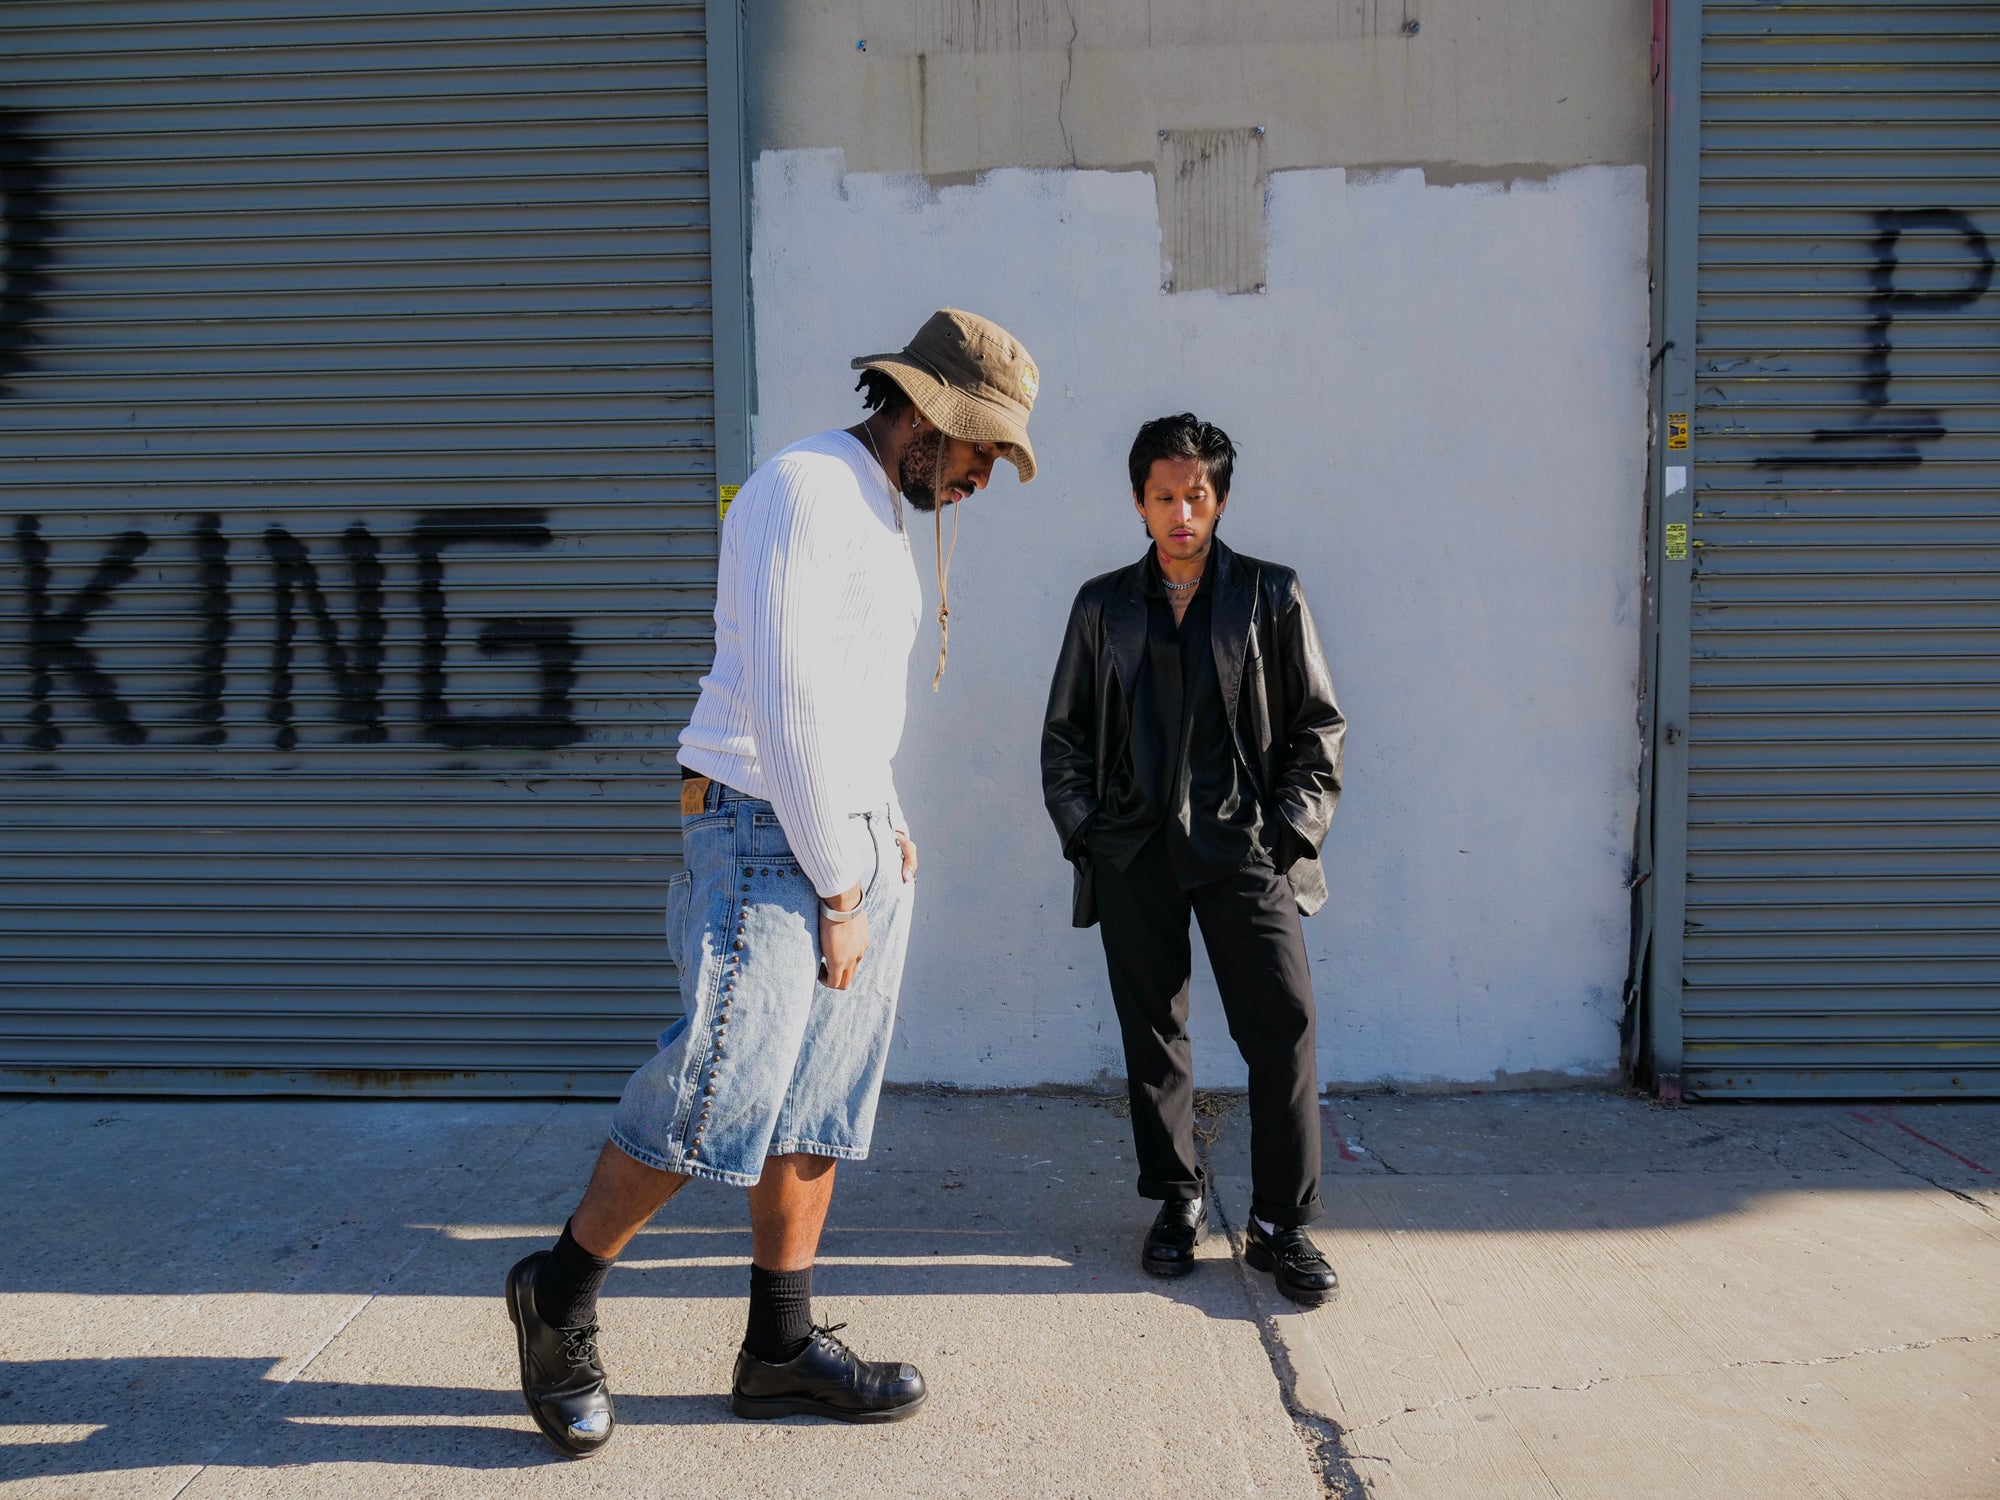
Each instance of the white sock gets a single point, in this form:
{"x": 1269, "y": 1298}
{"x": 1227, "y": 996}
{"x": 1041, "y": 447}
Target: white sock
{"x": 1267, "y": 1228}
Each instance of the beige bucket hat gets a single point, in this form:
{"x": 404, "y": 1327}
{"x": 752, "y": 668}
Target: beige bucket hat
{"x": 970, "y": 377}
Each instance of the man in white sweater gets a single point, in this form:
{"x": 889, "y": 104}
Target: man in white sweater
{"x": 790, "y": 922}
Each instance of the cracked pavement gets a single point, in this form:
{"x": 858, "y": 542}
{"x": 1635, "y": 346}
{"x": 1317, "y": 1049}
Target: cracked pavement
{"x": 1590, "y": 1294}
{"x": 1555, "y": 1294}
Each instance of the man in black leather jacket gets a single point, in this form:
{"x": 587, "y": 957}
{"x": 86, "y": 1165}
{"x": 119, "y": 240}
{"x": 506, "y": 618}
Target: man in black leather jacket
{"x": 1191, "y": 761}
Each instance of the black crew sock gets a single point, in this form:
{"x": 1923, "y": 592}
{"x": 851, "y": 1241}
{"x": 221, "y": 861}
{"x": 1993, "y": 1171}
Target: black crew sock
{"x": 780, "y": 1314}
{"x": 567, "y": 1284}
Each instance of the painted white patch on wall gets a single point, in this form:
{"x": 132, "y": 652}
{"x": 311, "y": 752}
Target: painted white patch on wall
{"x": 1440, "y": 404}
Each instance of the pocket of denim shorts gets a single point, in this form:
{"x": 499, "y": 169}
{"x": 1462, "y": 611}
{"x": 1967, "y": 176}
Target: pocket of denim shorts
{"x": 768, "y": 842}
{"x": 880, "y": 834}
{"x": 679, "y": 891}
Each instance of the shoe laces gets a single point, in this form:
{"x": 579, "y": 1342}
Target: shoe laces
{"x": 580, "y": 1344}
{"x": 824, "y": 1332}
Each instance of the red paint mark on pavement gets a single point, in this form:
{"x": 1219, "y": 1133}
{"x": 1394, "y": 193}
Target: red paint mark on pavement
{"x": 1890, "y": 1119}
{"x": 1339, "y": 1136}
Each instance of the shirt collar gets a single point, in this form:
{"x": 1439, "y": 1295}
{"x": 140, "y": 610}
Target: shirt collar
{"x": 1153, "y": 584}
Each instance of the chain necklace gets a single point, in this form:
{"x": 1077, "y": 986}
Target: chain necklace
{"x": 885, "y": 471}
{"x": 943, "y": 561}
{"x": 1192, "y": 583}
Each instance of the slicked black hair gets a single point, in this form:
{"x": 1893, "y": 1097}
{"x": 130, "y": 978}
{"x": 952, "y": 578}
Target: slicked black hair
{"x": 879, "y": 392}
{"x": 1183, "y": 436}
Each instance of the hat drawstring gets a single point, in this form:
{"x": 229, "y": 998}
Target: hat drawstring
{"x": 944, "y": 599}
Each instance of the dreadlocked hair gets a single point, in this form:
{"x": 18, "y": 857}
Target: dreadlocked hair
{"x": 879, "y": 392}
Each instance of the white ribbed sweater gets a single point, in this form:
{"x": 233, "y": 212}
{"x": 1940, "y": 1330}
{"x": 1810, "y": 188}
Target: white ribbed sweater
{"x": 816, "y": 606}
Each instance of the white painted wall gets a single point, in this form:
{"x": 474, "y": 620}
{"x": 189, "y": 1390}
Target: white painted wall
{"x": 1440, "y": 408}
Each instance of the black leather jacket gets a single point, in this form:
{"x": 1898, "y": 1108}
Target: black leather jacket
{"x": 1275, "y": 685}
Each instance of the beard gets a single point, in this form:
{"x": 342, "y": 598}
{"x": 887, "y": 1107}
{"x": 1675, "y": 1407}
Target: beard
{"x": 917, "y": 473}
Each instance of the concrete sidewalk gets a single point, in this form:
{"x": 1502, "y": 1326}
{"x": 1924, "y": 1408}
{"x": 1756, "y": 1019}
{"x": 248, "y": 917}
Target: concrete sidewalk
{"x": 1567, "y": 1294}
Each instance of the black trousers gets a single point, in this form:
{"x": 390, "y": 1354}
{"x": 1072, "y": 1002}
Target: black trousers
{"x": 1250, "y": 925}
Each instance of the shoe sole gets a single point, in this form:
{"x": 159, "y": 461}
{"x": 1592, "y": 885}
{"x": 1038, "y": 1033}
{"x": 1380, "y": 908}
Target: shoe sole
{"x": 1262, "y": 1260}
{"x": 555, "y": 1436}
{"x": 765, "y": 1408}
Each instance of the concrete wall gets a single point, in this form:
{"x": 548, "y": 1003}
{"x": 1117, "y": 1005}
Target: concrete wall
{"x": 1439, "y": 397}
{"x": 949, "y": 87}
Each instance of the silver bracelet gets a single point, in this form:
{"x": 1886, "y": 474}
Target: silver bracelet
{"x": 827, "y": 913}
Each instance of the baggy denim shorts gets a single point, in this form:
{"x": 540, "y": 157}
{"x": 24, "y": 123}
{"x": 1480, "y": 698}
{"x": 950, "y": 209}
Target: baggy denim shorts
{"x": 767, "y": 1061}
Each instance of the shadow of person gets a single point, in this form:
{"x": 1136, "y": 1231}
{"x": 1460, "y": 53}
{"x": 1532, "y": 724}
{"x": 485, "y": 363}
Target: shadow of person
{"x": 94, "y": 1416}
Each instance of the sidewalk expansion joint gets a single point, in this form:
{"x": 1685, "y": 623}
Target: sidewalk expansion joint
{"x": 1733, "y": 1364}
{"x": 360, "y": 1307}
{"x": 1324, "y": 1440}
{"x": 1943, "y": 1187}
{"x": 1978, "y": 1203}
{"x": 306, "y": 1364}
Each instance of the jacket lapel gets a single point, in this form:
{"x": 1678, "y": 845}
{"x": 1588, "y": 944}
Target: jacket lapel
{"x": 1229, "y": 626}
{"x": 1125, "y": 629}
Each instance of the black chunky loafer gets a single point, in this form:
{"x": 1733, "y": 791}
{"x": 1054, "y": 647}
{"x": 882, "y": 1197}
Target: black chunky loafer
{"x": 1181, "y": 1224}
{"x": 1294, "y": 1261}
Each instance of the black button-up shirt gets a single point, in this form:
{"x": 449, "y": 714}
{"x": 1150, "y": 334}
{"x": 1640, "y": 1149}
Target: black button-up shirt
{"x": 1180, "y": 776}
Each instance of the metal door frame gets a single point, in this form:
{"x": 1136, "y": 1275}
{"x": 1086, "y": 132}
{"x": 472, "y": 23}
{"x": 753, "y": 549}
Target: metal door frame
{"x": 1662, "y": 874}
{"x": 729, "y": 241}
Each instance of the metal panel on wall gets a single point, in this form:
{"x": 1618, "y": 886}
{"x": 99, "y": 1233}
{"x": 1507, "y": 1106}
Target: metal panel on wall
{"x": 1842, "y": 896}
{"x": 357, "y": 440}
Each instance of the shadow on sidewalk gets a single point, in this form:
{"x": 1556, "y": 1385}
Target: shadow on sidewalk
{"x": 966, "y": 1198}
{"x": 106, "y": 1415}
{"x": 68, "y": 1417}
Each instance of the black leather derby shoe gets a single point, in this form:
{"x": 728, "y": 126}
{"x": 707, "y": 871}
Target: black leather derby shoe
{"x": 560, "y": 1377}
{"x": 1294, "y": 1261}
{"x": 1181, "y": 1224}
{"x": 824, "y": 1379}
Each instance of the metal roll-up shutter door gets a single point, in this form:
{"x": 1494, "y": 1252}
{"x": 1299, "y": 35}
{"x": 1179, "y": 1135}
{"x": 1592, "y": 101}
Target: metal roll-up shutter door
{"x": 1843, "y": 892}
{"x": 357, "y": 442}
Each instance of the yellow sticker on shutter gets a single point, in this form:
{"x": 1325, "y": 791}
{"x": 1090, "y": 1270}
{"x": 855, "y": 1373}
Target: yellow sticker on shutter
{"x": 1677, "y": 541}
{"x": 725, "y": 494}
{"x": 1677, "y": 429}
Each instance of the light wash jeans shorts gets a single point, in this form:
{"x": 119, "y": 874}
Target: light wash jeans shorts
{"x": 767, "y": 1061}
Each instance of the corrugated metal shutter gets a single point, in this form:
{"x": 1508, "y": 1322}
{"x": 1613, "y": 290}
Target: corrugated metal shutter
{"x": 1843, "y": 894}
{"x": 358, "y": 457}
